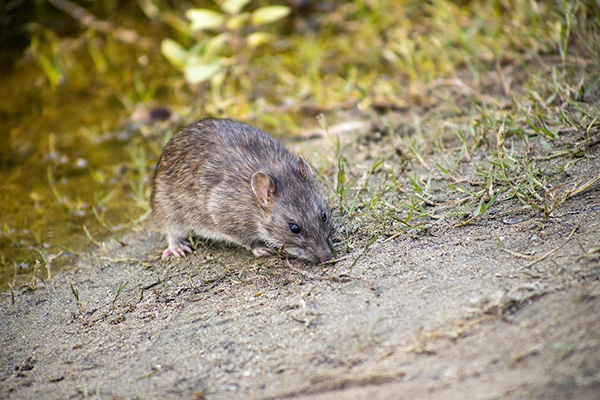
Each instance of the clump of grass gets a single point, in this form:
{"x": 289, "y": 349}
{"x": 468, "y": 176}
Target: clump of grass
{"x": 119, "y": 291}
{"x": 515, "y": 142}
{"x": 75, "y": 293}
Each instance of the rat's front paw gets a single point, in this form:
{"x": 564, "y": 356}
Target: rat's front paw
{"x": 177, "y": 248}
{"x": 262, "y": 251}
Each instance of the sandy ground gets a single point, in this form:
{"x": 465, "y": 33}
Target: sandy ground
{"x": 437, "y": 314}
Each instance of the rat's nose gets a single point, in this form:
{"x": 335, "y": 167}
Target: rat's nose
{"x": 324, "y": 254}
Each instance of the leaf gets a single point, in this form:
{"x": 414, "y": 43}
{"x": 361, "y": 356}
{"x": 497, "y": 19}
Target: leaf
{"x": 479, "y": 207}
{"x": 268, "y": 14}
{"x": 205, "y": 19}
{"x": 200, "y": 72}
{"x": 256, "y": 39}
{"x": 444, "y": 170}
{"x": 149, "y": 8}
{"x": 51, "y": 69}
{"x": 214, "y": 45}
{"x": 237, "y": 22}
{"x": 493, "y": 200}
{"x": 174, "y": 53}
{"x": 373, "y": 240}
{"x": 341, "y": 174}
{"x": 179, "y": 24}
{"x": 234, "y": 6}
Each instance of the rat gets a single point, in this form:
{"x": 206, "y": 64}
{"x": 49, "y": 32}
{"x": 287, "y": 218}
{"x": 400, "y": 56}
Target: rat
{"x": 226, "y": 180}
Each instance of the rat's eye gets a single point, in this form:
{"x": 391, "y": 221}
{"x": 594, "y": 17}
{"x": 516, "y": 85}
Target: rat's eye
{"x": 294, "y": 228}
{"x": 323, "y": 216}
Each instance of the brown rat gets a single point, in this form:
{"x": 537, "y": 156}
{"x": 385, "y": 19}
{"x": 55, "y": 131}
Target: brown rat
{"x": 226, "y": 180}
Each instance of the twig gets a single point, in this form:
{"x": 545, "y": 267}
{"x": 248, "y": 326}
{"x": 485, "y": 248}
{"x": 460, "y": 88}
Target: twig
{"x": 394, "y": 236}
{"x": 584, "y": 187}
{"x": 85, "y": 18}
{"x": 466, "y": 89}
{"x": 336, "y": 260}
{"x": 338, "y": 129}
{"x": 517, "y": 254}
{"x": 553, "y": 250}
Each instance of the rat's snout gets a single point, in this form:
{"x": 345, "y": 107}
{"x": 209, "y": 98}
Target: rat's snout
{"x": 325, "y": 257}
{"x": 324, "y": 254}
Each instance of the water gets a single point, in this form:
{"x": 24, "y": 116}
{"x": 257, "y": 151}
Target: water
{"x": 69, "y": 159}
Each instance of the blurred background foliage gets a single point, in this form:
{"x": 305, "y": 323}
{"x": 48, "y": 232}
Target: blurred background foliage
{"x": 91, "y": 90}
{"x": 298, "y": 55}
{"x": 293, "y": 53}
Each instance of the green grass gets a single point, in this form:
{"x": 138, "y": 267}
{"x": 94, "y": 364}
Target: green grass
{"x": 515, "y": 141}
{"x": 75, "y": 293}
{"x": 119, "y": 291}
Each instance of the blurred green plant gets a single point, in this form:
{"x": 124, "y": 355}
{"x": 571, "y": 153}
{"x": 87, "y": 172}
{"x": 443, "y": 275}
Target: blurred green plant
{"x": 228, "y": 41}
{"x": 45, "y": 51}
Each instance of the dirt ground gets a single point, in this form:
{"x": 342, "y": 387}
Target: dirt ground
{"x": 436, "y": 314}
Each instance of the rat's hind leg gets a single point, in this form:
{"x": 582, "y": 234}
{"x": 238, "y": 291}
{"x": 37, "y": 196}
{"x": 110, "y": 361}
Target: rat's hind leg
{"x": 178, "y": 244}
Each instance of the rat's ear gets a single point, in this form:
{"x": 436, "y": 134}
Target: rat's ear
{"x": 263, "y": 187}
{"x": 304, "y": 169}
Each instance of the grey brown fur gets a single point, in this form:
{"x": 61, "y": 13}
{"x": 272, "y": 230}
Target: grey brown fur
{"x": 226, "y": 180}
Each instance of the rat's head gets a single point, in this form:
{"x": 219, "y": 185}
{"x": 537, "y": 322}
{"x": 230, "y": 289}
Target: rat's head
{"x": 296, "y": 218}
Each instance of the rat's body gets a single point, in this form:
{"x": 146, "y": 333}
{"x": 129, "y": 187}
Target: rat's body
{"x": 228, "y": 181}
